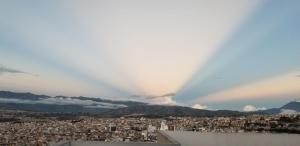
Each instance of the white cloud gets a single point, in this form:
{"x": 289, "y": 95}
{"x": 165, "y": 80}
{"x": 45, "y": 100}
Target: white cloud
{"x": 251, "y": 108}
{"x": 288, "y": 111}
{"x": 261, "y": 108}
{"x": 199, "y": 106}
{"x": 161, "y": 100}
{"x": 165, "y": 100}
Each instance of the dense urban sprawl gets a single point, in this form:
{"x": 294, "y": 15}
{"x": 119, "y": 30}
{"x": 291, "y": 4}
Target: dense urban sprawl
{"x": 16, "y": 129}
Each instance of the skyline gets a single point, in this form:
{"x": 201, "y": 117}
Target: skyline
{"x": 203, "y": 54}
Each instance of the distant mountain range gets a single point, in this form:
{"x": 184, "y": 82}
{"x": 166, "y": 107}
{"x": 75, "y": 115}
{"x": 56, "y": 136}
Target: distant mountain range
{"x": 289, "y": 108}
{"x": 109, "y": 108}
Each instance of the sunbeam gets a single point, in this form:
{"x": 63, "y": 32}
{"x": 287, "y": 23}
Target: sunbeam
{"x": 266, "y": 45}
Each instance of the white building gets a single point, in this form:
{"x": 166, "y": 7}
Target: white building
{"x": 164, "y": 126}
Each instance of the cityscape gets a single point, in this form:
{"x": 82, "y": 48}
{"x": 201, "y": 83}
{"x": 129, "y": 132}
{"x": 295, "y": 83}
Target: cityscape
{"x": 149, "y": 73}
{"x": 22, "y": 129}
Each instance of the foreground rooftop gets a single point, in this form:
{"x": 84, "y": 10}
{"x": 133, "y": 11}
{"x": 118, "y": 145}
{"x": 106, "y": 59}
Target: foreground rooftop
{"x": 184, "y": 138}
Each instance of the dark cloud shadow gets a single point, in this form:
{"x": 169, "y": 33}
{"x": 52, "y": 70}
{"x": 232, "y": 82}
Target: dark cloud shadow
{"x": 152, "y": 96}
{"x": 8, "y": 70}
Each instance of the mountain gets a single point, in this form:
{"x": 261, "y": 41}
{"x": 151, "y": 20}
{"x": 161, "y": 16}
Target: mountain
{"x": 291, "y": 107}
{"x": 28, "y": 96}
{"x": 294, "y": 105}
{"x": 96, "y": 106}
{"x": 166, "y": 111}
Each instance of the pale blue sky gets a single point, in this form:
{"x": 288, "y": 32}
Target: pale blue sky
{"x": 204, "y": 52}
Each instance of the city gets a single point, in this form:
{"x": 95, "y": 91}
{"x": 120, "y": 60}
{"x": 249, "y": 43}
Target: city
{"x": 27, "y": 130}
{"x": 149, "y": 72}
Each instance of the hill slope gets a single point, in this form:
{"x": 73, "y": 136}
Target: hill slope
{"x": 97, "y": 106}
{"x": 291, "y": 107}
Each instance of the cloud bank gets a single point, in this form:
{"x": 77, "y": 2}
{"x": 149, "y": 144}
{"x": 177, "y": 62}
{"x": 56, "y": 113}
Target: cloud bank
{"x": 288, "y": 111}
{"x": 164, "y": 99}
{"x": 199, "y": 106}
{"x": 64, "y": 101}
{"x": 252, "y": 108}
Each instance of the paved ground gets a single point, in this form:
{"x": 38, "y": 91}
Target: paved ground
{"x": 234, "y": 139}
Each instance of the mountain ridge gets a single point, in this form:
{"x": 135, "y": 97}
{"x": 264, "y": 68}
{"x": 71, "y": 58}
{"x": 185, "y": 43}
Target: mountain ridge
{"x": 293, "y": 107}
{"x": 113, "y": 108}
{"x": 87, "y": 105}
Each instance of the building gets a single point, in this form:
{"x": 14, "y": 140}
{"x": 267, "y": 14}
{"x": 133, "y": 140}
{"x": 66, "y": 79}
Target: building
{"x": 164, "y": 126}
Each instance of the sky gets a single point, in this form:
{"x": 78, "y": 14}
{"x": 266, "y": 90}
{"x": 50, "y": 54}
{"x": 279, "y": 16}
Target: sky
{"x": 207, "y": 54}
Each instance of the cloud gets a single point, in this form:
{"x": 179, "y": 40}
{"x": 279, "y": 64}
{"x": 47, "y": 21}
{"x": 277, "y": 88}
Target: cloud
{"x": 64, "y": 101}
{"x": 8, "y": 70}
{"x": 164, "y": 99}
{"x": 252, "y": 108}
{"x": 168, "y": 94}
{"x": 4, "y": 69}
{"x": 160, "y": 96}
{"x": 199, "y": 106}
{"x": 287, "y": 112}
{"x": 249, "y": 108}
